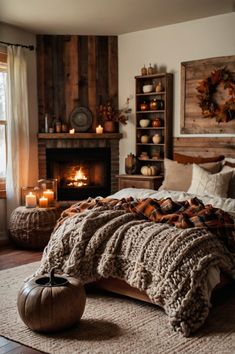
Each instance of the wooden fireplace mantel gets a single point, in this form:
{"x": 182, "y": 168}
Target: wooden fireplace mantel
{"x": 79, "y": 136}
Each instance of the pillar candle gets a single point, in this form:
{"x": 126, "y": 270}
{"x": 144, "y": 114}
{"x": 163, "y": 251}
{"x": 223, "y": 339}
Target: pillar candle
{"x": 99, "y": 130}
{"x": 43, "y": 202}
{"x": 49, "y": 194}
{"x": 30, "y": 200}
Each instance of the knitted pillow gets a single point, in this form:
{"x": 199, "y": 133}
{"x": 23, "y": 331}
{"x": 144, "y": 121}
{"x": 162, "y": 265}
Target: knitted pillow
{"x": 205, "y": 183}
{"x": 178, "y": 176}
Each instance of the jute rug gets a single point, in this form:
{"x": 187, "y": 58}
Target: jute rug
{"x": 113, "y": 324}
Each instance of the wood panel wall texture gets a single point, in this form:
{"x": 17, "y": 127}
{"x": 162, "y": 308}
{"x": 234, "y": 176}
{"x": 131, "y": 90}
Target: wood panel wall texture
{"x": 75, "y": 71}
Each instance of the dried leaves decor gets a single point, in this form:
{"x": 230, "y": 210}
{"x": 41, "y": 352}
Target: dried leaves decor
{"x": 107, "y": 112}
{"x": 207, "y": 89}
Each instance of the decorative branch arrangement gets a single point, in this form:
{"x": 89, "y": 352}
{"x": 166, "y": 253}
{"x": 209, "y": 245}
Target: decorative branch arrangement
{"x": 108, "y": 113}
{"x": 207, "y": 89}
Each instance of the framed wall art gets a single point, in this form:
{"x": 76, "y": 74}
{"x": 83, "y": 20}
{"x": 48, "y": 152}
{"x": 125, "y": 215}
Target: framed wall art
{"x": 208, "y": 96}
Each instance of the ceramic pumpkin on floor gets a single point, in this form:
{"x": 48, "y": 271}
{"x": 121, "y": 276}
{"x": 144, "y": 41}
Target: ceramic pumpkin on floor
{"x": 51, "y": 303}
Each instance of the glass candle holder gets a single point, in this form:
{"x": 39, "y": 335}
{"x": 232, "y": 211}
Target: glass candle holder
{"x": 48, "y": 189}
{"x": 25, "y": 191}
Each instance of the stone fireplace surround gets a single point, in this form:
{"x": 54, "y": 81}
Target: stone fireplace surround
{"x": 80, "y": 140}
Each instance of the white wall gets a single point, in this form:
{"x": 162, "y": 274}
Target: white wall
{"x": 167, "y": 47}
{"x": 15, "y": 35}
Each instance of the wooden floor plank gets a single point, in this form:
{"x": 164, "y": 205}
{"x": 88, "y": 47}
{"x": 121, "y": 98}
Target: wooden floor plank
{"x": 13, "y": 257}
{"x": 10, "y": 257}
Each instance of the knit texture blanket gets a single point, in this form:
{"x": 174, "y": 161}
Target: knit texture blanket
{"x": 168, "y": 263}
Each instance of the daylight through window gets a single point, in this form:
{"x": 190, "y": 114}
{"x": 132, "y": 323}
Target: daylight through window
{"x": 3, "y": 91}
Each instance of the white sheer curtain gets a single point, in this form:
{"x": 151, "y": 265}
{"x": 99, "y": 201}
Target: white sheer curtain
{"x": 17, "y": 127}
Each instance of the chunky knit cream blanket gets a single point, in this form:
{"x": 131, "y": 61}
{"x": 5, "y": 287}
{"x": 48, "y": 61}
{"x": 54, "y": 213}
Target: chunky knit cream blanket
{"x": 167, "y": 263}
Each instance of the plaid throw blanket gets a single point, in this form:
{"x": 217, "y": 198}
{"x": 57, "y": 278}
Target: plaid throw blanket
{"x": 184, "y": 214}
{"x": 117, "y": 238}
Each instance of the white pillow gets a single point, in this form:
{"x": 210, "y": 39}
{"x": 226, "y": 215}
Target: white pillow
{"x": 205, "y": 183}
{"x": 231, "y": 188}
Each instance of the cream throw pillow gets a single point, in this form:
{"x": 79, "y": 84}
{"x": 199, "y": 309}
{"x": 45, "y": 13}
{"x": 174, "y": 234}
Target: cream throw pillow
{"x": 231, "y": 187}
{"x": 178, "y": 176}
{"x": 205, "y": 183}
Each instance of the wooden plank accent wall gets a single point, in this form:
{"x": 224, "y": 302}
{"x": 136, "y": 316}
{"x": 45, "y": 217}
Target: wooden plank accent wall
{"x": 205, "y": 146}
{"x": 75, "y": 71}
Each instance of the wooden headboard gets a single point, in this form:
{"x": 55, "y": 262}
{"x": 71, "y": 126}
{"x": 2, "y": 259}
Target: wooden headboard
{"x": 206, "y": 146}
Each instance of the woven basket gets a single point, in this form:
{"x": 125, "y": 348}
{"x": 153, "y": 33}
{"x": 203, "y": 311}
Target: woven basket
{"x": 32, "y": 228}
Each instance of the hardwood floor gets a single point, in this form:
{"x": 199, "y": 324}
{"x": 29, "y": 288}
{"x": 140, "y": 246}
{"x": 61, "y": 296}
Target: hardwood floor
{"x": 12, "y": 257}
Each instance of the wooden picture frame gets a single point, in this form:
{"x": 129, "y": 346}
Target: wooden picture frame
{"x": 192, "y": 119}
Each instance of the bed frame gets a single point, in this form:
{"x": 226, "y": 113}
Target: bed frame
{"x": 213, "y": 146}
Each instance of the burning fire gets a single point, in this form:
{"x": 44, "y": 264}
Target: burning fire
{"x": 79, "y": 179}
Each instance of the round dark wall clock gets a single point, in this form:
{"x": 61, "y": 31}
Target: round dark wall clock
{"x": 81, "y": 119}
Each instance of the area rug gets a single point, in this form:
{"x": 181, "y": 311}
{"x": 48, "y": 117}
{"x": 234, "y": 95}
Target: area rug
{"x": 115, "y": 324}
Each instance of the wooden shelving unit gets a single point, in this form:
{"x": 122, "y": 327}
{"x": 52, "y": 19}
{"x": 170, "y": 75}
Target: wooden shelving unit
{"x": 165, "y": 146}
{"x": 165, "y": 100}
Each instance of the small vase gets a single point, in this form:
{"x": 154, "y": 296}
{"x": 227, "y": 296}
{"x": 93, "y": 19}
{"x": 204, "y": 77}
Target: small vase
{"x": 144, "y": 106}
{"x": 144, "y": 71}
{"x": 131, "y": 164}
{"x": 153, "y": 105}
{"x": 109, "y": 126}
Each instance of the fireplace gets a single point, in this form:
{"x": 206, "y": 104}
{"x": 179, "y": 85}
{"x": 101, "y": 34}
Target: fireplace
{"x": 105, "y": 145}
{"x": 80, "y": 172}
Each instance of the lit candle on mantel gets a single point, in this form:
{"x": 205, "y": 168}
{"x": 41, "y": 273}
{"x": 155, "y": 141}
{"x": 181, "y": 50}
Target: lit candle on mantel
{"x": 71, "y": 131}
{"x": 30, "y": 200}
{"x": 49, "y": 194}
{"x": 43, "y": 202}
{"x": 99, "y": 130}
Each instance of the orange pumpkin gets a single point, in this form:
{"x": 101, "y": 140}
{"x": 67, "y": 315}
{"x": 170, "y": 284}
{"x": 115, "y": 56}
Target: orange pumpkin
{"x": 51, "y": 303}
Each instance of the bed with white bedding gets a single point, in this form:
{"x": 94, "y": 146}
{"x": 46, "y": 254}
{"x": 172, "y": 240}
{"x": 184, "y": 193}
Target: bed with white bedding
{"x": 174, "y": 267}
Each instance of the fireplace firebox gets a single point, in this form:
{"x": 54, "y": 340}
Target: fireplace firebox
{"x": 80, "y": 172}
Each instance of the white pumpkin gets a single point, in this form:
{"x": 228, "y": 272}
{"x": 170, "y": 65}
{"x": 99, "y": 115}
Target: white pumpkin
{"x": 149, "y": 170}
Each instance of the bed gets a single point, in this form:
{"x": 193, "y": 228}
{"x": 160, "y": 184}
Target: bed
{"x": 100, "y": 243}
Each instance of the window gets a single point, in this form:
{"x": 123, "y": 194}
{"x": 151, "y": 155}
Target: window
{"x": 3, "y": 90}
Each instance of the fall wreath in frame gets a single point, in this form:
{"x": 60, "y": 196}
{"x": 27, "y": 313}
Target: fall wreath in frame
{"x": 208, "y": 96}
{"x": 207, "y": 89}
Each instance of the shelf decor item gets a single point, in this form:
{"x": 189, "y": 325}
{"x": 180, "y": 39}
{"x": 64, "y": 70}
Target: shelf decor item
{"x": 144, "y": 71}
{"x": 159, "y": 87}
{"x": 150, "y": 70}
{"x": 157, "y": 138}
{"x": 144, "y": 106}
{"x": 156, "y": 122}
{"x": 144, "y": 123}
{"x": 147, "y": 88}
{"x": 131, "y": 164}
{"x": 144, "y": 139}
{"x": 153, "y": 105}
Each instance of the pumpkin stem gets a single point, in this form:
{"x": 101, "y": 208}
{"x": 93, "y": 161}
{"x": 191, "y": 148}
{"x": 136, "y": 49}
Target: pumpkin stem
{"x": 52, "y": 277}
